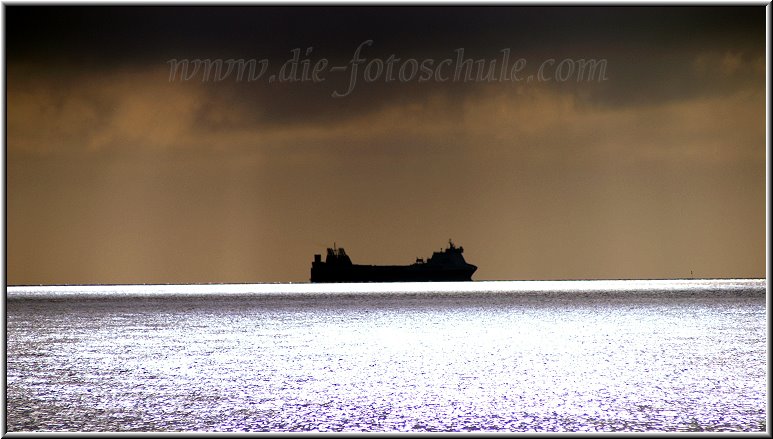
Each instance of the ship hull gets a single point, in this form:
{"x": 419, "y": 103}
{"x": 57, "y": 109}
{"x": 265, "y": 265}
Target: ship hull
{"x": 393, "y": 273}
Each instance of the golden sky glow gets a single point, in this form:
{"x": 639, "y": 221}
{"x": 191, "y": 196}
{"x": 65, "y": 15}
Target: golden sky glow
{"x": 116, "y": 175}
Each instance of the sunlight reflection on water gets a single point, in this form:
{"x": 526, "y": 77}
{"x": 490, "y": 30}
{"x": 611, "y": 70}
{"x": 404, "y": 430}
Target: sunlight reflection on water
{"x": 534, "y": 356}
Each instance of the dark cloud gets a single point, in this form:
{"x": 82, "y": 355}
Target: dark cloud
{"x": 651, "y": 54}
{"x": 103, "y": 34}
{"x": 650, "y": 51}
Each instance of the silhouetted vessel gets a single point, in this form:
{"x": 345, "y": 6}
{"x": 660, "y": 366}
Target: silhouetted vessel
{"x": 444, "y": 265}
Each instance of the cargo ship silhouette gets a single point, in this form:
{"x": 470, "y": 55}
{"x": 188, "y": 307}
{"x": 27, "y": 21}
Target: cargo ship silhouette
{"x": 444, "y": 265}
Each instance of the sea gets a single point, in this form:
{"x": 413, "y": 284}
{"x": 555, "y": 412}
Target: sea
{"x": 521, "y": 356}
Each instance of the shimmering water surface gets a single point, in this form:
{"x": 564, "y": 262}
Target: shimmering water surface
{"x": 482, "y": 356}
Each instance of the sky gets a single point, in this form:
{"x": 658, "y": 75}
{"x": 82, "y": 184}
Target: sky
{"x": 120, "y": 170}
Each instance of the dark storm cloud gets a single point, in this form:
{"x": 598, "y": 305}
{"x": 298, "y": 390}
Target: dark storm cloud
{"x": 652, "y": 54}
{"x": 104, "y": 37}
{"x": 145, "y": 34}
